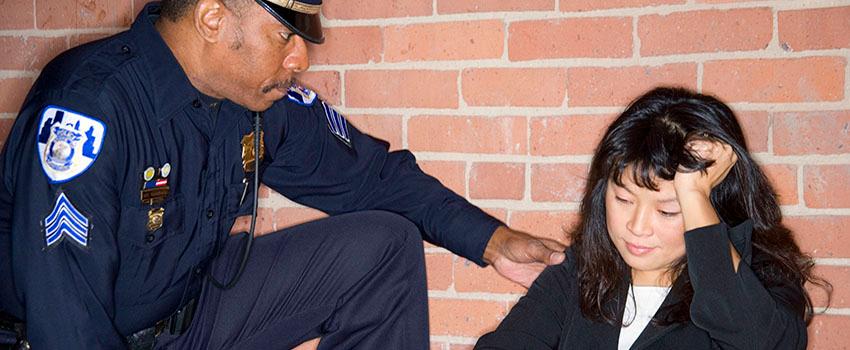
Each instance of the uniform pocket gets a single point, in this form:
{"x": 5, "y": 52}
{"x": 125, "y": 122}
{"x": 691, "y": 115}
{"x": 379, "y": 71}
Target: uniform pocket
{"x": 150, "y": 258}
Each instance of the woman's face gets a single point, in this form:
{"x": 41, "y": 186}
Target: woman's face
{"x": 646, "y": 227}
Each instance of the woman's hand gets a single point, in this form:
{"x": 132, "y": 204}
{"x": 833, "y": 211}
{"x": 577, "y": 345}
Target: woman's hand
{"x": 702, "y": 182}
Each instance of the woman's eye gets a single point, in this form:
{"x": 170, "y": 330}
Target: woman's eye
{"x": 622, "y": 200}
{"x": 668, "y": 214}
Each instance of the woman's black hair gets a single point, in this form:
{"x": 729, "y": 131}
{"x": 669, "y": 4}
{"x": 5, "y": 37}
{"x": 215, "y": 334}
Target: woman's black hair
{"x": 651, "y": 136}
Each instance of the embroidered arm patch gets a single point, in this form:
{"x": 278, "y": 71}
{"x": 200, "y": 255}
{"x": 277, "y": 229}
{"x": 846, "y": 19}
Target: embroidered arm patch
{"x": 65, "y": 221}
{"x": 68, "y": 143}
{"x": 337, "y": 124}
{"x": 301, "y": 95}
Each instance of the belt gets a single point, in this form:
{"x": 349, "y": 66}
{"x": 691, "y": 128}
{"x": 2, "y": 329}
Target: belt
{"x": 176, "y": 324}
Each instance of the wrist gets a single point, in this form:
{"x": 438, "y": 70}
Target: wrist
{"x": 494, "y": 245}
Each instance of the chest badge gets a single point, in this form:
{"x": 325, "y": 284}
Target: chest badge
{"x": 248, "y": 156}
{"x": 155, "y": 190}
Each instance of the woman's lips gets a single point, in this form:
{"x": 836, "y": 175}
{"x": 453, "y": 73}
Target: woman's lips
{"x": 638, "y": 250}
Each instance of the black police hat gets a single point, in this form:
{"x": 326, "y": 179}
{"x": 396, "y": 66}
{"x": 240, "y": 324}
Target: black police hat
{"x": 300, "y": 16}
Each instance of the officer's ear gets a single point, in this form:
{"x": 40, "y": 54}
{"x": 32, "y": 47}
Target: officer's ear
{"x": 209, "y": 17}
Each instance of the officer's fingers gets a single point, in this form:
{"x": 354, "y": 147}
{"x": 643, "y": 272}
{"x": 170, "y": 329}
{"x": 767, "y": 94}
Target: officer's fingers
{"x": 539, "y": 252}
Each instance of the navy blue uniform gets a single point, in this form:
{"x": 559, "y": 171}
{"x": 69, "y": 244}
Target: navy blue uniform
{"x": 90, "y": 260}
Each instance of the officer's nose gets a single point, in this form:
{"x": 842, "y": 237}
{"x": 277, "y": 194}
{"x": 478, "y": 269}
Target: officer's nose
{"x": 297, "y": 60}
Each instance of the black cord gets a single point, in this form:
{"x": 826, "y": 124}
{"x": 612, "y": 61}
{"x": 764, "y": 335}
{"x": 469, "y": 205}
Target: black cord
{"x": 246, "y": 250}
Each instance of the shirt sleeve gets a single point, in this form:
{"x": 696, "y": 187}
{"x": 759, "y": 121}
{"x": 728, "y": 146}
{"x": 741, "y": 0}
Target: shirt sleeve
{"x": 63, "y": 248}
{"x": 736, "y": 309}
{"x": 319, "y": 160}
{"x": 538, "y": 319}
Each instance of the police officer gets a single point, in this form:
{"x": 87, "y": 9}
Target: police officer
{"x": 132, "y": 157}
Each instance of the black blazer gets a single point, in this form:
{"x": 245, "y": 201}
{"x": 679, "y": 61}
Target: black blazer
{"x": 728, "y": 311}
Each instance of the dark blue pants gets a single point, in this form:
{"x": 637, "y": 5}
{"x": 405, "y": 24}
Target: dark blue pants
{"x": 355, "y": 280}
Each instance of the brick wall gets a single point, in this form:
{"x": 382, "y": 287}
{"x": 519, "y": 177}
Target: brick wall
{"x": 504, "y": 100}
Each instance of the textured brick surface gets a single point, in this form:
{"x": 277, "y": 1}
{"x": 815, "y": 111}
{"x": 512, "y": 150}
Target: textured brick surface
{"x": 514, "y": 87}
{"x": 504, "y": 135}
{"x": 812, "y": 29}
{"x": 551, "y": 136}
{"x": 393, "y": 88}
{"x": 497, "y": 180}
{"x": 582, "y": 37}
{"x": 782, "y": 80}
{"x": 590, "y": 86}
{"x": 826, "y": 186}
{"x": 812, "y": 133}
{"x": 705, "y": 31}
{"x": 445, "y": 41}
{"x": 453, "y": 6}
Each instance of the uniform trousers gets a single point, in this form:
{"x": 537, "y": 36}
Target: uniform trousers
{"x": 355, "y": 280}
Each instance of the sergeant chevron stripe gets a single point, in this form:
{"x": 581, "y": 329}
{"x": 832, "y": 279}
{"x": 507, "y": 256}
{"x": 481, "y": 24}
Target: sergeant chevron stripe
{"x": 337, "y": 124}
{"x": 64, "y": 221}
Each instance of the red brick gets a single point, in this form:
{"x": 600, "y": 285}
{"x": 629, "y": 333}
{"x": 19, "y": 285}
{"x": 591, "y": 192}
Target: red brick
{"x": 308, "y": 345}
{"x": 783, "y": 177}
{"x": 28, "y": 53}
{"x": 502, "y": 135}
{"x": 461, "y": 347}
{"x": 559, "y": 182}
{"x": 387, "y": 128}
{"x": 497, "y": 181}
{"x": 56, "y": 14}
{"x": 839, "y": 277}
{"x": 821, "y": 236}
{"x": 340, "y": 48}
{"x": 804, "y": 133}
{"x": 705, "y": 31}
{"x": 265, "y": 223}
{"x": 401, "y": 88}
{"x": 617, "y": 86}
{"x": 265, "y": 191}
{"x": 439, "y": 271}
{"x": 436, "y": 346}
{"x": 600, "y": 37}
{"x": 361, "y": 9}
{"x": 812, "y": 29}
{"x": 469, "y": 318}
{"x": 5, "y": 128}
{"x": 570, "y": 135}
{"x": 451, "y": 174}
{"x": 809, "y": 79}
{"x": 471, "y": 278}
{"x": 288, "y": 217}
{"x": 12, "y": 93}
{"x": 465, "y": 40}
{"x": 79, "y": 39}
{"x": 828, "y": 332}
{"x": 325, "y": 83}
{"x": 467, "y": 6}
{"x": 533, "y": 87}
{"x": 549, "y": 224}
{"x": 755, "y": 125}
{"x": 17, "y": 14}
{"x": 825, "y": 186}
{"x": 590, "y": 5}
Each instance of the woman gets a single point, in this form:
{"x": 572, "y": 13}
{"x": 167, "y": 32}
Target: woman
{"x": 679, "y": 245}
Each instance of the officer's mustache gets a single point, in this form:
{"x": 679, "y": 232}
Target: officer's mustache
{"x": 282, "y": 85}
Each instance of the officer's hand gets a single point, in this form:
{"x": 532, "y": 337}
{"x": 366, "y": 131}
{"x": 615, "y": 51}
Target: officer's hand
{"x": 521, "y": 257}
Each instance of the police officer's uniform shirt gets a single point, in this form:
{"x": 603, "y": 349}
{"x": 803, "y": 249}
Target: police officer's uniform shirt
{"x": 88, "y": 261}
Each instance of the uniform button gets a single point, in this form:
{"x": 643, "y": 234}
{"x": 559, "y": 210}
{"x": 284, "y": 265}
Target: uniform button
{"x": 210, "y": 214}
{"x": 125, "y": 49}
{"x": 196, "y": 104}
{"x": 150, "y": 237}
{"x": 198, "y": 270}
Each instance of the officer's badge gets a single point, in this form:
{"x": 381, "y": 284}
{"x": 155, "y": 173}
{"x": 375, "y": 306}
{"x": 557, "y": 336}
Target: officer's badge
{"x": 248, "y": 156}
{"x": 65, "y": 221}
{"x": 68, "y": 143}
{"x": 337, "y": 124}
{"x": 301, "y": 95}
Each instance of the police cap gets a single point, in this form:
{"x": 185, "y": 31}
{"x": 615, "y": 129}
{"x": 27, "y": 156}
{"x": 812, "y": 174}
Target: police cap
{"x": 300, "y": 16}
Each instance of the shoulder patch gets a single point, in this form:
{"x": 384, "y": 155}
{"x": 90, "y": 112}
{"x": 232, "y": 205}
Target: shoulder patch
{"x": 68, "y": 143}
{"x": 301, "y": 95}
{"x": 65, "y": 221}
{"x": 337, "y": 124}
